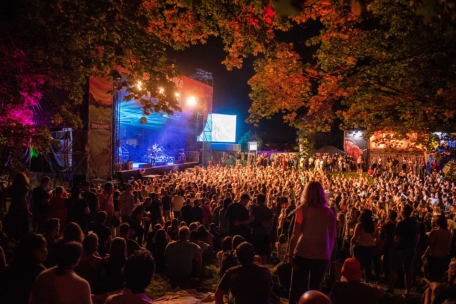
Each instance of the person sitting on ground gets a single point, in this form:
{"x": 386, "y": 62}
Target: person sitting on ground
{"x": 60, "y": 284}
{"x": 314, "y": 297}
{"x": 111, "y": 278}
{"x": 282, "y": 246}
{"x": 71, "y": 233}
{"x": 132, "y": 245}
{"x": 228, "y": 259}
{"x": 89, "y": 265}
{"x": 247, "y": 281}
{"x": 138, "y": 273}
{"x": 226, "y": 246}
{"x": 180, "y": 256}
{"x": 336, "y": 266}
{"x": 283, "y": 272}
{"x": 447, "y": 291}
{"x": 353, "y": 290}
{"x": 26, "y": 265}
{"x": 173, "y": 230}
{"x": 160, "y": 243}
{"x": 217, "y": 238}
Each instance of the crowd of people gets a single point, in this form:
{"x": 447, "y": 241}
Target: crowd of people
{"x": 320, "y": 231}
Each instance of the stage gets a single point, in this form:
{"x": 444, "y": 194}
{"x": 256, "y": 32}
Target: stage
{"x": 125, "y": 175}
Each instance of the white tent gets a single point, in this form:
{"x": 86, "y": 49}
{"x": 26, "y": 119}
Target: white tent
{"x": 330, "y": 150}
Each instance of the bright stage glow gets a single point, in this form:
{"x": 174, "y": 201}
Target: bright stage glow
{"x": 223, "y": 128}
{"x": 191, "y": 101}
{"x": 177, "y": 94}
{"x": 161, "y": 90}
{"x": 139, "y": 85}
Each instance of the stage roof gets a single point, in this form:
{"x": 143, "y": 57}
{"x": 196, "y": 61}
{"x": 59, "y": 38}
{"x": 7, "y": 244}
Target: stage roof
{"x": 131, "y": 111}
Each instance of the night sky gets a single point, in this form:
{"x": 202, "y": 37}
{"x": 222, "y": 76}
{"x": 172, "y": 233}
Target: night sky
{"x": 231, "y": 89}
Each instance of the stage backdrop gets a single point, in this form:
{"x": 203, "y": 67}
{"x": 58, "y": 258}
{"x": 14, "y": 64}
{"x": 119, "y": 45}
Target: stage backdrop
{"x": 100, "y": 129}
{"x": 355, "y": 144}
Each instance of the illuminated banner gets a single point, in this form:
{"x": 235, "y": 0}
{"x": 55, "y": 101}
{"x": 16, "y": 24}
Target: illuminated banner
{"x": 355, "y": 144}
{"x": 375, "y": 141}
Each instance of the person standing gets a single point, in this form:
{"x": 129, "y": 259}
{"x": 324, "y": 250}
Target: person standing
{"x": 126, "y": 203}
{"x": 261, "y": 228}
{"x": 387, "y": 236}
{"x": 438, "y": 250}
{"x": 238, "y": 217}
{"x": 166, "y": 206}
{"x": 40, "y": 204}
{"x": 16, "y": 221}
{"x": 177, "y": 202}
{"x": 364, "y": 242}
{"x": 91, "y": 199}
{"x": 312, "y": 241}
{"x": 402, "y": 252}
{"x": 106, "y": 203}
{"x": 77, "y": 208}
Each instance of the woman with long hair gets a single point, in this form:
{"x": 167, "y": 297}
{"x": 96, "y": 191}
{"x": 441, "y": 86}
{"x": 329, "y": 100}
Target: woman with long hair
{"x": 71, "y": 233}
{"x": 112, "y": 278}
{"x": 363, "y": 241}
{"x": 173, "y": 230}
{"x": 312, "y": 241}
{"x": 89, "y": 264}
{"x": 160, "y": 243}
{"x": 439, "y": 246}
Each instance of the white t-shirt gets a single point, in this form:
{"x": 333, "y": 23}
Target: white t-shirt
{"x": 177, "y": 202}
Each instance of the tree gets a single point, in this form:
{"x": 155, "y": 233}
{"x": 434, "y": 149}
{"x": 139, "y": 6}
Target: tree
{"x": 381, "y": 69}
{"x": 51, "y": 48}
{"x": 248, "y": 137}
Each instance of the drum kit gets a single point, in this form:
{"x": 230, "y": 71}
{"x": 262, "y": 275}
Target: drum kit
{"x": 157, "y": 155}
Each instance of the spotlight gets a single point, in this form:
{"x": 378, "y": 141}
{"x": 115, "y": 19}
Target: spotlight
{"x": 177, "y": 94}
{"x": 139, "y": 85}
{"x": 161, "y": 90}
{"x": 191, "y": 101}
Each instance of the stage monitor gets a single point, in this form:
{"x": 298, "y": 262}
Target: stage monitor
{"x": 223, "y": 128}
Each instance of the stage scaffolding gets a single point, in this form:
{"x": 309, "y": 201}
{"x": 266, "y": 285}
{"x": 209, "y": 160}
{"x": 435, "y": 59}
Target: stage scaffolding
{"x": 116, "y": 148}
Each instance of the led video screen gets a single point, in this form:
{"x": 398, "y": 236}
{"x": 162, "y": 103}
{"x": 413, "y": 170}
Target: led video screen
{"x": 219, "y": 128}
{"x": 223, "y": 128}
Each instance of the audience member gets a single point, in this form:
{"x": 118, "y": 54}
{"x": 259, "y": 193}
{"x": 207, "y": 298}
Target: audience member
{"x": 247, "y": 282}
{"x": 312, "y": 242}
{"x": 27, "y": 264}
{"x": 138, "y": 271}
{"x": 353, "y": 290}
{"x": 61, "y": 284}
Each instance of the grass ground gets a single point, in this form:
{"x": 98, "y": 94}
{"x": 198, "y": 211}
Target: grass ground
{"x": 160, "y": 286}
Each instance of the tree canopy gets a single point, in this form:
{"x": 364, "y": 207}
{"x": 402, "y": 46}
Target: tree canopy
{"x": 49, "y": 49}
{"x": 381, "y": 68}
{"x": 377, "y": 64}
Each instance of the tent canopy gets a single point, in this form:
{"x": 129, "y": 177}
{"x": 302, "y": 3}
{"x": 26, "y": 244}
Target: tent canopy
{"x": 330, "y": 150}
